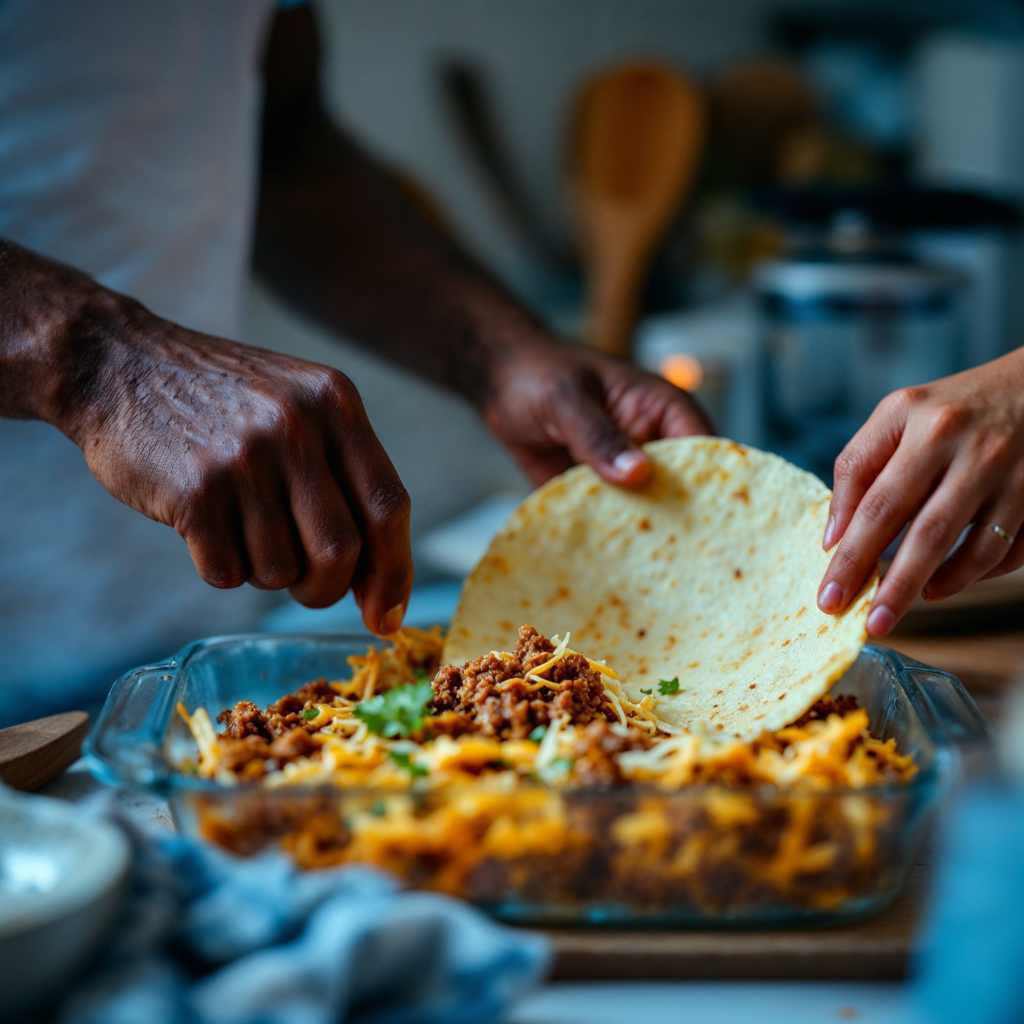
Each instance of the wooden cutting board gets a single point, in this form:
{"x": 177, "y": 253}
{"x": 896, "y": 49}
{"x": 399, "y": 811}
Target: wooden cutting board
{"x": 877, "y": 949}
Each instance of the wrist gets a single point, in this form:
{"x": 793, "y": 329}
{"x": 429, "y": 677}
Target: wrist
{"x": 55, "y": 334}
{"x": 501, "y": 336}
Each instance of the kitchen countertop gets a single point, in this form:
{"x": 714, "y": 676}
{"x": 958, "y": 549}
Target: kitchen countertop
{"x": 986, "y": 663}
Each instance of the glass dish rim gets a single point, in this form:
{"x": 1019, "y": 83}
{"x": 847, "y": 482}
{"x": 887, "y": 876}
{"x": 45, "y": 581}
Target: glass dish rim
{"x": 172, "y": 779}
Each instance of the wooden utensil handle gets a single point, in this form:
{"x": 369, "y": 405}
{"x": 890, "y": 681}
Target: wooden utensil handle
{"x": 35, "y": 752}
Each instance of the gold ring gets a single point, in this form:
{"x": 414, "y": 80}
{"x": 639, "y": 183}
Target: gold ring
{"x": 1000, "y": 532}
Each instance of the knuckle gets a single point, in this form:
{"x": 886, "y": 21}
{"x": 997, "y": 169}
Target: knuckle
{"x": 329, "y": 386}
{"x": 945, "y": 421}
{"x": 279, "y": 574}
{"x": 389, "y": 505}
{"x": 223, "y": 576}
{"x": 934, "y": 531}
{"x": 845, "y": 564}
{"x": 900, "y": 591}
{"x": 880, "y": 506}
{"x": 338, "y": 551}
{"x": 849, "y": 464}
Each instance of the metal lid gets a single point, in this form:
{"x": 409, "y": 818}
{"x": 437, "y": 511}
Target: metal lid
{"x": 816, "y": 279}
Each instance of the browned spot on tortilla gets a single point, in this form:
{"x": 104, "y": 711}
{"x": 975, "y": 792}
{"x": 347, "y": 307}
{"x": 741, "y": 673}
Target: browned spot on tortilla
{"x": 823, "y": 629}
{"x": 785, "y": 643}
{"x": 506, "y": 625}
{"x": 742, "y": 494}
{"x": 743, "y": 707}
{"x": 739, "y": 449}
{"x": 615, "y": 600}
{"x": 719, "y": 726}
{"x": 738, "y": 573}
{"x": 525, "y": 602}
{"x": 753, "y": 686}
{"x": 781, "y": 695}
{"x": 758, "y": 631}
{"x": 645, "y": 523}
{"x": 641, "y": 633}
{"x": 593, "y": 489}
{"x": 717, "y": 692}
{"x": 802, "y": 610}
{"x": 694, "y": 664}
{"x": 553, "y": 533}
{"x": 671, "y": 539}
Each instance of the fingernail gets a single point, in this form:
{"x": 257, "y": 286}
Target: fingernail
{"x": 881, "y": 620}
{"x": 628, "y": 462}
{"x": 829, "y": 531}
{"x": 393, "y": 619}
{"x": 830, "y": 597}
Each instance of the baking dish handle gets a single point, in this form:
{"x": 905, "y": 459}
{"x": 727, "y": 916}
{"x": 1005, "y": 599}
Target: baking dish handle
{"x": 126, "y": 743}
{"x": 945, "y": 706}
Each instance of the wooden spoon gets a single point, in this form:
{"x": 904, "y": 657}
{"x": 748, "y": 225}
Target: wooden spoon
{"x": 636, "y": 141}
{"x": 35, "y": 752}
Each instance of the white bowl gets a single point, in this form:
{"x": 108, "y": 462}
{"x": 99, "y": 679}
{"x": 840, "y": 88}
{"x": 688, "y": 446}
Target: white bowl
{"x": 62, "y": 878}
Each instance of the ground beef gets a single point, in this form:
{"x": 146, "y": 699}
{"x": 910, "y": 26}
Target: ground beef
{"x": 481, "y": 690}
{"x": 841, "y": 704}
{"x": 245, "y": 719}
{"x": 292, "y": 744}
{"x": 594, "y": 753}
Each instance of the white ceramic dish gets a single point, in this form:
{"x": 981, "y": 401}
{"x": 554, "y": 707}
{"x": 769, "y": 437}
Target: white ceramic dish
{"x": 62, "y": 878}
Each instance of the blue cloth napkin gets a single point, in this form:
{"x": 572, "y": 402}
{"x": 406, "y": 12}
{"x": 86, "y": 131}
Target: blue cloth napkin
{"x": 971, "y": 963}
{"x": 209, "y": 939}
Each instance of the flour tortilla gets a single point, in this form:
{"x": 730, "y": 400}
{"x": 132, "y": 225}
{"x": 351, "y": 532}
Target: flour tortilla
{"x": 708, "y": 573}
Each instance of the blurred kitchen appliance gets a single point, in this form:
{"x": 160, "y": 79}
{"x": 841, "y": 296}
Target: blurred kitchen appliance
{"x": 968, "y": 91}
{"x": 709, "y": 351}
{"x": 636, "y": 137}
{"x": 850, "y": 313}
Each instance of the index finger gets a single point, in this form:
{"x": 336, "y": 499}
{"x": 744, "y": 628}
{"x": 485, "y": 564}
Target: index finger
{"x": 381, "y": 507}
{"x": 888, "y": 505}
{"x": 861, "y": 461}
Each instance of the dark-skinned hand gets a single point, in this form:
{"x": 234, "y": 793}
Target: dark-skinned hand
{"x": 553, "y": 407}
{"x": 266, "y": 465}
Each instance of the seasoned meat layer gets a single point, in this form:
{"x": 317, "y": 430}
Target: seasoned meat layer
{"x": 245, "y": 719}
{"x": 493, "y": 692}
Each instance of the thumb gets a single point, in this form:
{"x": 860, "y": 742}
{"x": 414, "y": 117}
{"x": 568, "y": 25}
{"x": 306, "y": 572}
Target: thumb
{"x": 593, "y": 437}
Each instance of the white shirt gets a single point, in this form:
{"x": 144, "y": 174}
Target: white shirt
{"x": 128, "y": 137}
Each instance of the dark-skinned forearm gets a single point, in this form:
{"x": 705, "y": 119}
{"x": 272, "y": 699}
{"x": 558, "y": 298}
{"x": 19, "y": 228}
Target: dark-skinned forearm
{"x": 55, "y": 326}
{"x": 339, "y": 240}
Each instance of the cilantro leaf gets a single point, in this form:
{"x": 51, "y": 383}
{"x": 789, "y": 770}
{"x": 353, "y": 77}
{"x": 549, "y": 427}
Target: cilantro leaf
{"x": 379, "y": 809}
{"x": 648, "y": 692}
{"x": 310, "y": 713}
{"x": 668, "y": 685}
{"x": 538, "y": 734}
{"x": 403, "y": 760}
{"x": 397, "y": 712}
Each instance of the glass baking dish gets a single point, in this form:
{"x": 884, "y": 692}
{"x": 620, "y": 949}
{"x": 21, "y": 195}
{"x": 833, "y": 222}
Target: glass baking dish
{"x": 701, "y": 855}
